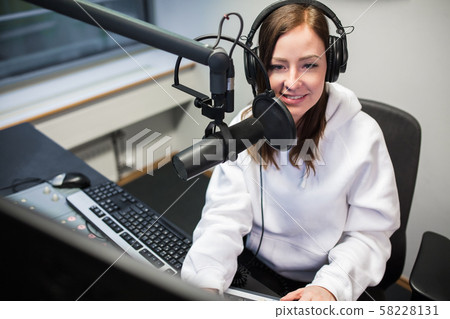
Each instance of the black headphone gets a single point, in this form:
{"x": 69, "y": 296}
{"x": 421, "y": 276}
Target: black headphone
{"x": 336, "y": 52}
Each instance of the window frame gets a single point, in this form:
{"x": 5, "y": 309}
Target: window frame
{"x": 81, "y": 62}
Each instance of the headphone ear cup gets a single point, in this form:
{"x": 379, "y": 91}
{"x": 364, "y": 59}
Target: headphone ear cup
{"x": 334, "y": 58}
{"x": 250, "y": 67}
{"x": 331, "y": 60}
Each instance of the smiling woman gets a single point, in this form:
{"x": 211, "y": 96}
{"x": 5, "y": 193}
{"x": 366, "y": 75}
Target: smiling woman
{"x": 318, "y": 221}
{"x": 292, "y": 46}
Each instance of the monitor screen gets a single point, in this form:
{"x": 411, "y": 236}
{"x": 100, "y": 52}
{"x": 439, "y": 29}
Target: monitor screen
{"x": 42, "y": 260}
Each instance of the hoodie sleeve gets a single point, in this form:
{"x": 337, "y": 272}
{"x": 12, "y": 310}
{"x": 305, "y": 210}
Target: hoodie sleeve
{"x": 217, "y": 240}
{"x": 359, "y": 258}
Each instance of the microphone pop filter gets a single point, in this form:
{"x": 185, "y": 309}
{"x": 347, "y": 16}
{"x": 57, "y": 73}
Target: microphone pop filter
{"x": 279, "y": 126}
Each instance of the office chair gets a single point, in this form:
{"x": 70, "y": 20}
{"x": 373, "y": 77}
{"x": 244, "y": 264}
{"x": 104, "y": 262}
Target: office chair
{"x": 430, "y": 276}
{"x": 402, "y": 133}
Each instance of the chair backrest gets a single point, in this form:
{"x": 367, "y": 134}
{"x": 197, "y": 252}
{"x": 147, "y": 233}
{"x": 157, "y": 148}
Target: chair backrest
{"x": 402, "y": 133}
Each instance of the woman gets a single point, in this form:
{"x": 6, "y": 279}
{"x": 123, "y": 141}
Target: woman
{"x": 320, "y": 215}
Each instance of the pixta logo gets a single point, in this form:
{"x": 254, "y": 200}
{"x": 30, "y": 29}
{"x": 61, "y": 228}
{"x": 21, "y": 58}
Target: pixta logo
{"x": 144, "y": 151}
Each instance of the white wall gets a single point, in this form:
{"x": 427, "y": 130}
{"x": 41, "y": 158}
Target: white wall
{"x": 398, "y": 55}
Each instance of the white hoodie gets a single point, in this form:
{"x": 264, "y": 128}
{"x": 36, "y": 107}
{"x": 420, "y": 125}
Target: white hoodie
{"x": 331, "y": 228}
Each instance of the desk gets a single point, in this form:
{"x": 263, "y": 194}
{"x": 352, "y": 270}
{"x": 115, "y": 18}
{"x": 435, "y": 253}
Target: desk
{"x": 25, "y": 153}
{"x": 43, "y": 260}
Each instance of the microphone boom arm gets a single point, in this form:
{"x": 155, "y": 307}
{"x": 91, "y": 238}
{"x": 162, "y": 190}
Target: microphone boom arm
{"x": 217, "y": 59}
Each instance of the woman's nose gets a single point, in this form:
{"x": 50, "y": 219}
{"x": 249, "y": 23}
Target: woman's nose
{"x": 293, "y": 80}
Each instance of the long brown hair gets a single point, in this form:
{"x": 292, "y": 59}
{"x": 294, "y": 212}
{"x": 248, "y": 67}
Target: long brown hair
{"x": 312, "y": 124}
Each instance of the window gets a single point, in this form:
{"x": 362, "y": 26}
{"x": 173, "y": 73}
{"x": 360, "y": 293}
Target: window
{"x": 35, "y": 41}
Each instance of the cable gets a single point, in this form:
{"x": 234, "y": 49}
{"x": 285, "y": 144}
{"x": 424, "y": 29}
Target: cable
{"x": 262, "y": 208}
{"x": 218, "y": 37}
{"x": 20, "y": 181}
{"x": 242, "y": 45}
{"x": 94, "y": 231}
{"x": 242, "y": 273}
{"x": 219, "y": 32}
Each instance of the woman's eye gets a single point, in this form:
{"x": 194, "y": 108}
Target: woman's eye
{"x": 310, "y": 66}
{"x": 276, "y": 67}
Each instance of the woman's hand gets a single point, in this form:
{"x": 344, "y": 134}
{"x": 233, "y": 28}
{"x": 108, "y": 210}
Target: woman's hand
{"x": 310, "y": 293}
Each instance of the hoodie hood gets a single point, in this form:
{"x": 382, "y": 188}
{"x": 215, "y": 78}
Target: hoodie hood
{"x": 342, "y": 106}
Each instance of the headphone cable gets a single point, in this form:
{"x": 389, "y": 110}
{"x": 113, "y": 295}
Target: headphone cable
{"x": 242, "y": 273}
{"x": 262, "y": 208}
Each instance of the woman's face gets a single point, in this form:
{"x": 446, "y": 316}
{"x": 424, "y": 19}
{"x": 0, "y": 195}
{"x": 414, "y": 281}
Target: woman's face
{"x": 297, "y": 70}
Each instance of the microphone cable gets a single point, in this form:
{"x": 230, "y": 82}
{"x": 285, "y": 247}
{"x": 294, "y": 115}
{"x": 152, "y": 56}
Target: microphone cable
{"x": 219, "y": 32}
{"x": 219, "y": 37}
{"x": 176, "y": 78}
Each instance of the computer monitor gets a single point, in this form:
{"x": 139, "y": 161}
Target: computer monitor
{"x": 42, "y": 260}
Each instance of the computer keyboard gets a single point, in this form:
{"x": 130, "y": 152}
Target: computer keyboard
{"x": 140, "y": 231}
{"x": 133, "y": 226}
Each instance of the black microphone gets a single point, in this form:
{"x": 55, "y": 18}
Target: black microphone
{"x": 215, "y": 148}
{"x": 230, "y": 88}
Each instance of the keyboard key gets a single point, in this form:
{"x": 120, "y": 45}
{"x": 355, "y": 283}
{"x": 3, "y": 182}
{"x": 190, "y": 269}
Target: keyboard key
{"x": 137, "y": 246}
{"x": 117, "y": 216}
{"x": 108, "y": 221}
{"x": 97, "y": 211}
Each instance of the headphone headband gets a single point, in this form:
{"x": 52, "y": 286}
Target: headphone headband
{"x": 274, "y": 6}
